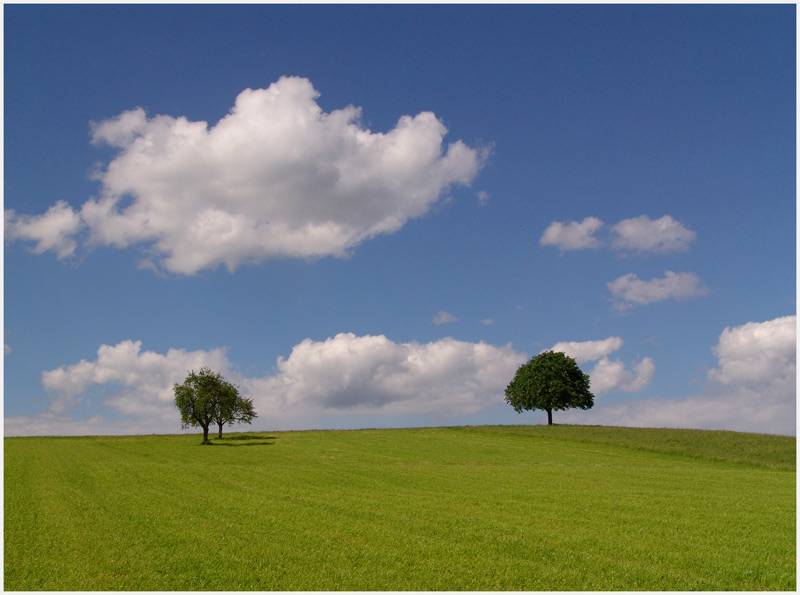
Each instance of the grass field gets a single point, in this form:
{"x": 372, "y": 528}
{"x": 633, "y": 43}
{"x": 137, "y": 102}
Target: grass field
{"x": 469, "y": 508}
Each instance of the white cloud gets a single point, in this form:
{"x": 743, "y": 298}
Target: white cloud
{"x": 756, "y": 352}
{"x": 487, "y": 321}
{"x": 752, "y": 389}
{"x": 483, "y": 197}
{"x": 642, "y": 234}
{"x": 610, "y": 375}
{"x": 345, "y": 375}
{"x": 146, "y": 378}
{"x": 572, "y": 235}
{"x": 51, "y": 231}
{"x": 588, "y": 351}
{"x": 631, "y": 291}
{"x": 642, "y": 375}
{"x": 607, "y": 374}
{"x": 276, "y": 177}
{"x": 368, "y": 374}
{"x": 443, "y": 317}
{"x": 638, "y": 234}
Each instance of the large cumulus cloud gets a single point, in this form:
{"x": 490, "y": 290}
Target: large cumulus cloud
{"x": 608, "y": 374}
{"x": 276, "y": 177}
{"x": 130, "y": 390}
{"x": 126, "y": 390}
{"x": 445, "y": 378}
{"x": 753, "y": 387}
{"x": 122, "y": 390}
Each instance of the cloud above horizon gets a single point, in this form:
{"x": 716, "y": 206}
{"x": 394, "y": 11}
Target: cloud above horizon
{"x": 345, "y": 374}
{"x": 276, "y": 177}
{"x": 125, "y": 390}
{"x": 638, "y": 235}
{"x": 145, "y": 379}
{"x": 444, "y": 378}
{"x": 607, "y": 374}
{"x": 753, "y": 388}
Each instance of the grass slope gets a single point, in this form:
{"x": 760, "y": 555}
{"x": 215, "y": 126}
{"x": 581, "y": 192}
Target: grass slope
{"x": 471, "y": 508}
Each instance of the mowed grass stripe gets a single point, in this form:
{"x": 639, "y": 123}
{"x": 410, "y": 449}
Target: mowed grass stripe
{"x": 485, "y": 508}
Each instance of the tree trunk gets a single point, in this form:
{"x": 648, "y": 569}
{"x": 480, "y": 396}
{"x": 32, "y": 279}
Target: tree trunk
{"x": 205, "y": 435}
{"x": 549, "y": 417}
{"x": 220, "y": 431}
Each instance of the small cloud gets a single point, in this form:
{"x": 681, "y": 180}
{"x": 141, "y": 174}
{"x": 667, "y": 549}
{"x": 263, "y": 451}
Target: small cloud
{"x": 444, "y": 318}
{"x": 51, "y": 231}
{"x": 483, "y": 197}
{"x": 6, "y": 349}
{"x": 588, "y": 351}
{"x": 642, "y": 234}
{"x": 631, "y": 291}
{"x": 572, "y": 235}
{"x": 638, "y": 234}
{"x": 487, "y": 321}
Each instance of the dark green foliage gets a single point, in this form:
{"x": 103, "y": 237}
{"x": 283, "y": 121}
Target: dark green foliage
{"x": 550, "y": 381}
{"x": 234, "y": 409}
{"x": 206, "y": 397}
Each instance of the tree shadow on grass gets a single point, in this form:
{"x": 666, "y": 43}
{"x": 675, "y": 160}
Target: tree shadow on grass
{"x": 243, "y": 440}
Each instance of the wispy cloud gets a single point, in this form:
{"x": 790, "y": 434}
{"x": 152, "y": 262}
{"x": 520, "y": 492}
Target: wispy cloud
{"x": 588, "y": 351}
{"x": 629, "y": 290}
{"x": 638, "y": 235}
{"x": 276, "y": 177}
{"x": 443, "y": 317}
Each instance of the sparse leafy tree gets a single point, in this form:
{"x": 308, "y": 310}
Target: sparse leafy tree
{"x": 550, "y": 381}
{"x": 206, "y": 397}
{"x": 234, "y": 409}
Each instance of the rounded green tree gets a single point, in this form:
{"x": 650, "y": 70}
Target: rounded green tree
{"x": 550, "y": 381}
{"x": 206, "y": 397}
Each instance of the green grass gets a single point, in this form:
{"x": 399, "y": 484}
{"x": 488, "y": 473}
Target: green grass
{"x": 470, "y": 508}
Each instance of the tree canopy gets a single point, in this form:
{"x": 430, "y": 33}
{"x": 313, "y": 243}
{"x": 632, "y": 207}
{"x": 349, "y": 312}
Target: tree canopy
{"x": 234, "y": 410}
{"x": 206, "y": 397}
{"x": 550, "y": 381}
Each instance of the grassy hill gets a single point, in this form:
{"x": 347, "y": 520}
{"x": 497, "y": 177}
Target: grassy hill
{"x": 467, "y": 508}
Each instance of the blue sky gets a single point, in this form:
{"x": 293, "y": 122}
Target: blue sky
{"x": 370, "y": 216}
